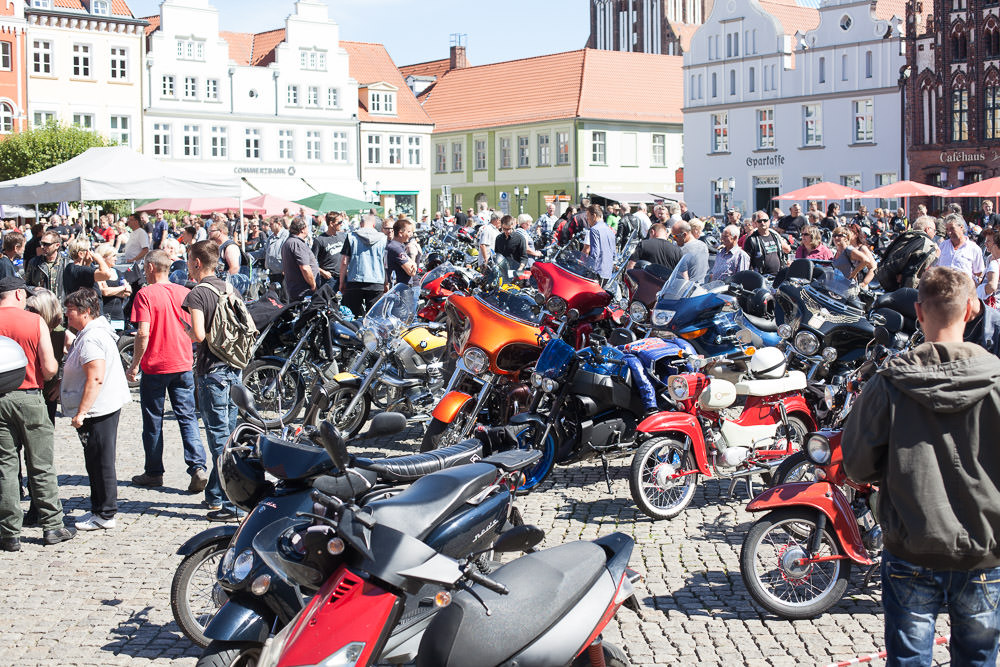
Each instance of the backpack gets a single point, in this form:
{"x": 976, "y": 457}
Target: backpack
{"x": 232, "y": 333}
{"x": 905, "y": 260}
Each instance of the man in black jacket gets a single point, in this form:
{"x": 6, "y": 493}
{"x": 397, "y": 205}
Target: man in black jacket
{"x": 924, "y": 430}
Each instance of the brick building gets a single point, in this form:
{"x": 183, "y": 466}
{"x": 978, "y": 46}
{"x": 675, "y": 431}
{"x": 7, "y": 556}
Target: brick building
{"x": 952, "y": 91}
{"x": 646, "y": 26}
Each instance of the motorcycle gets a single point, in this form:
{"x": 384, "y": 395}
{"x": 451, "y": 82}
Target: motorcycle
{"x": 643, "y": 283}
{"x": 568, "y": 283}
{"x": 438, "y": 284}
{"x": 796, "y": 559}
{"x": 720, "y": 429}
{"x": 403, "y": 367}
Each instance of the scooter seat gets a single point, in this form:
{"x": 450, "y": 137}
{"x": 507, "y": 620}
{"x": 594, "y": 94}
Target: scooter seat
{"x": 548, "y": 584}
{"x": 794, "y": 381}
{"x": 414, "y": 466}
{"x": 418, "y": 509}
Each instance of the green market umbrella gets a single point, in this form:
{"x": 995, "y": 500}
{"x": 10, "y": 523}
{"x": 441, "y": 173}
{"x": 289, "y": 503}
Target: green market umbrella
{"x": 327, "y": 201}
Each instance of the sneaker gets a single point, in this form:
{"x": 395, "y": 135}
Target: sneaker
{"x": 58, "y": 535}
{"x": 148, "y": 480}
{"x": 212, "y": 507}
{"x": 90, "y": 521}
{"x": 223, "y": 514}
{"x": 10, "y": 544}
{"x": 199, "y": 480}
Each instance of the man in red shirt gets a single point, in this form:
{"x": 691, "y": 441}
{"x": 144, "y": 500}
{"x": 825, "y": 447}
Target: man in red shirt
{"x": 163, "y": 352}
{"x": 25, "y": 418}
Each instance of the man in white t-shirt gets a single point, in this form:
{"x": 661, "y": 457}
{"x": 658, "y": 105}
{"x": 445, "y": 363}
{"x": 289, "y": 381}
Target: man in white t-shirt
{"x": 138, "y": 241}
{"x": 958, "y": 253}
{"x": 488, "y": 239}
{"x": 644, "y": 222}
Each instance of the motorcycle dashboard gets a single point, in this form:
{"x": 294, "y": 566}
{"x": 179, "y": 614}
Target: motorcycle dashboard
{"x": 512, "y": 303}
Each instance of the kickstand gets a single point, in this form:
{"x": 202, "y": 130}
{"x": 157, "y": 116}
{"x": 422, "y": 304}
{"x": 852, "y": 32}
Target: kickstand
{"x": 607, "y": 472}
{"x": 732, "y": 487}
{"x": 749, "y": 480}
{"x": 871, "y": 573}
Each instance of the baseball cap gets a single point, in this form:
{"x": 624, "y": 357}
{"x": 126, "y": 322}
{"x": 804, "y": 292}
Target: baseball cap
{"x": 12, "y": 283}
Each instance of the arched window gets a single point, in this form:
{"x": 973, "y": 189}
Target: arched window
{"x": 991, "y": 105}
{"x": 959, "y": 44}
{"x": 991, "y": 40}
{"x": 6, "y": 118}
{"x": 960, "y": 113}
{"x": 732, "y": 82}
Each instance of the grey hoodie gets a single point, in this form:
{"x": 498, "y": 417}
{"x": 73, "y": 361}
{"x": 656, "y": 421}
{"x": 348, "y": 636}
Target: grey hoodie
{"x": 925, "y": 429}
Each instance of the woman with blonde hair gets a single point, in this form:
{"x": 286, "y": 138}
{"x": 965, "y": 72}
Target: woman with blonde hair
{"x": 114, "y": 290}
{"x": 82, "y": 272}
{"x": 851, "y": 259}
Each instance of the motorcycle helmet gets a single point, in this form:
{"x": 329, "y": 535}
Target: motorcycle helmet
{"x": 767, "y": 363}
{"x": 761, "y": 303}
{"x": 434, "y": 260}
{"x": 242, "y": 477}
{"x": 179, "y": 277}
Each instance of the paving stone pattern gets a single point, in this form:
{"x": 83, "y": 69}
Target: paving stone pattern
{"x": 103, "y": 598}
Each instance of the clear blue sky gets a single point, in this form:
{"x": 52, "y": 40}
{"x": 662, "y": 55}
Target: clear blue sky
{"x": 418, "y": 30}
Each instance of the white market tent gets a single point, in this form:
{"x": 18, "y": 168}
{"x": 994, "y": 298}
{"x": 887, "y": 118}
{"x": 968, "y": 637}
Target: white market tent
{"x": 116, "y": 172}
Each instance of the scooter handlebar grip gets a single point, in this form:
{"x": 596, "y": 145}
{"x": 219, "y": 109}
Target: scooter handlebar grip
{"x": 486, "y": 582}
{"x": 326, "y": 501}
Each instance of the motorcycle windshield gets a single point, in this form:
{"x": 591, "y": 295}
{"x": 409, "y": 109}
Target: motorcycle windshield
{"x": 396, "y": 309}
{"x": 497, "y": 273}
{"x": 680, "y": 286}
{"x": 438, "y": 272}
{"x": 514, "y": 304}
{"x": 834, "y": 281}
{"x": 555, "y": 358}
{"x": 576, "y": 263}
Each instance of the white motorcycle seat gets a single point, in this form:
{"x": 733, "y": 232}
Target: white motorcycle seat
{"x": 793, "y": 381}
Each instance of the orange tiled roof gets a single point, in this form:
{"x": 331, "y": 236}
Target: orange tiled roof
{"x": 253, "y": 49}
{"x": 240, "y": 46}
{"x": 792, "y": 17}
{"x": 435, "y": 68}
{"x": 684, "y": 32}
{"x": 118, "y": 7}
{"x": 574, "y": 84}
{"x": 886, "y": 9}
{"x": 371, "y": 63}
{"x": 153, "y": 23}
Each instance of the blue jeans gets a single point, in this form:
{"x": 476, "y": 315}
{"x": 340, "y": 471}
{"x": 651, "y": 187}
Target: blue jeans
{"x": 180, "y": 386}
{"x": 913, "y": 595}
{"x": 218, "y": 412}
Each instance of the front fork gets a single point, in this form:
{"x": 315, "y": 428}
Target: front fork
{"x": 365, "y": 384}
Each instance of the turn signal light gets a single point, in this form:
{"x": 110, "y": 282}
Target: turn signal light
{"x": 261, "y": 584}
{"x": 750, "y": 351}
{"x": 442, "y": 599}
{"x": 697, "y": 333}
{"x": 335, "y": 547}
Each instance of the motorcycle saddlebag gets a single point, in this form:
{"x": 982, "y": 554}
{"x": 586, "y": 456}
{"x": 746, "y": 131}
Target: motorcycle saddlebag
{"x": 13, "y": 365}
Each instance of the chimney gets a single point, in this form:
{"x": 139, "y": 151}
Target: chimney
{"x": 458, "y": 60}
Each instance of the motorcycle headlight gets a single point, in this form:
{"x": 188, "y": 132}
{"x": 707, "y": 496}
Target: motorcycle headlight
{"x": 556, "y": 305}
{"x": 638, "y": 312}
{"x": 370, "y": 340}
{"x": 475, "y": 360}
{"x": 227, "y": 560}
{"x": 829, "y": 354}
{"x": 536, "y": 380}
{"x": 784, "y": 331}
{"x": 818, "y": 449}
{"x": 661, "y": 318}
{"x": 242, "y": 566}
{"x": 830, "y": 397}
{"x": 678, "y": 386}
{"x": 347, "y": 656}
{"x": 807, "y": 343}
{"x": 549, "y": 385}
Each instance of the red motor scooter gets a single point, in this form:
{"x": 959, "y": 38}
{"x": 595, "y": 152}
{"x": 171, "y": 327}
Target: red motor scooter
{"x": 796, "y": 559}
{"x": 719, "y": 429}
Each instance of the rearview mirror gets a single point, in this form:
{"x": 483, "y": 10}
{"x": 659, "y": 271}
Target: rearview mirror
{"x": 744, "y": 336}
{"x": 386, "y": 423}
{"x": 519, "y": 538}
{"x": 572, "y": 315}
{"x": 334, "y": 444}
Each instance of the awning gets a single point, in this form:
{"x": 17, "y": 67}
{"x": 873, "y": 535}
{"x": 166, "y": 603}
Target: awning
{"x": 397, "y": 192}
{"x": 635, "y": 197}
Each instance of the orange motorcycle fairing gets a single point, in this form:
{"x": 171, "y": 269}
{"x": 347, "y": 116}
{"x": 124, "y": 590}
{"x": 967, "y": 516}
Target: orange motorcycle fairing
{"x": 822, "y": 496}
{"x": 450, "y": 405}
{"x": 491, "y": 330}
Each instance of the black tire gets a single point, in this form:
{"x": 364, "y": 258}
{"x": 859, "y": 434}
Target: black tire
{"x": 613, "y": 657}
{"x": 443, "y": 434}
{"x": 277, "y": 403}
{"x": 662, "y": 498}
{"x": 795, "y": 468}
{"x": 195, "y": 594}
{"x": 799, "y": 431}
{"x": 351, "y": 424}
{"x": 774, "y": 582}
{"x": 126, "y": 346}
{"x": 230, "y": 654}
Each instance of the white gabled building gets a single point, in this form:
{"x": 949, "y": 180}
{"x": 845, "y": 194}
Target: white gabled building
{"x": 84, "y": 66}
{"x": 778, "y": 96}
{"x": 277, "y": 108}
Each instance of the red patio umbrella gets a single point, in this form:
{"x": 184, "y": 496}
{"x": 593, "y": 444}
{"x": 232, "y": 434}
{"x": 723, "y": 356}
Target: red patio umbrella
{"x": 988, "y": 188}
{"x": 276, "y": 205}
{"x": 823, "y": 191}
{"x": 200, "y": 205}
{"x": 906, "y": 189}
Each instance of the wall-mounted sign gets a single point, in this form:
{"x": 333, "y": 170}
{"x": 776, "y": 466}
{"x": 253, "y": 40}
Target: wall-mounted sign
{"x": 951, "y": 157}
{"x": 264, "y": 171}
{"x": 773, "y": 160}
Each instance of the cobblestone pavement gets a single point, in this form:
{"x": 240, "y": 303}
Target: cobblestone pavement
{"x": 103, "y": 598}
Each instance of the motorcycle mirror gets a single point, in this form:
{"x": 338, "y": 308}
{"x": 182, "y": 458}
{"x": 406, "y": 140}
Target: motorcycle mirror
{"x": 335, "y": 445}
{"x": 572, "y": 315}
{"x": 744, "y": 336}
{"x": 519, "y": 538}
{"x": 539, "y": 298}
{"x": 386, "y": 423}
{"x": 243, "y": 400}
{"x": 883, "y": 337}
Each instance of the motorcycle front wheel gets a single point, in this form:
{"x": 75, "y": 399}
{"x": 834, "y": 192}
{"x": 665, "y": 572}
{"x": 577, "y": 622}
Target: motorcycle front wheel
{"x": 651, "y": 478}
{"x": 613, "y": 657}
{"x": 771, "y": 575}
{"x": 348, "y": 424}
{"x": 444, "y": 434}
{"x": 230, "y": 654}
{"x": 278, "y": 400}
{"x": 195, "y": 593}
{"x": 537, "y": 474}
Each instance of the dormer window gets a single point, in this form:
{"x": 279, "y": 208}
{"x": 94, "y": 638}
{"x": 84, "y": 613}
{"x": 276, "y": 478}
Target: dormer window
{"x": 100, "y": 7}
{"x": 383, "y": 102}
{"x": 41, "y": 4}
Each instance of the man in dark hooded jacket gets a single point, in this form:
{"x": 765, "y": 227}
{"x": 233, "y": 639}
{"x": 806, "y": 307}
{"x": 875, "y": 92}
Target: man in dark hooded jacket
{"x": 924, "y": 429}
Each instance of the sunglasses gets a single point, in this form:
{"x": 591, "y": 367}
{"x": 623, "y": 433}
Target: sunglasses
{"x": 47, "y": 245}
{"x": 840, "y": 236}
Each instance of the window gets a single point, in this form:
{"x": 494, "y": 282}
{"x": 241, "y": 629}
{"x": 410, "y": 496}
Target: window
{"x": 121, "y": 130}
{"x": 765, "y": 128}
{"x": 598, "y": 147}
{"x": 562, "y": 147}
{"x": 84, "y": 121}
{"x": 312, "y": 99}
{"x": 191, "y": 141}
{"x": 6, "y": 118}
{"x": 340, "y": 146}
{"x": 5, "y": 56}
{"x": 886, "y": 179}
{"x": 845, "y": 22}
{"x": 100, "y": 7}
{"x": 167, "y": 86}
{"x": 732, "y": 82}
{"x": 383, "y": 102}
{"x": 864, "y": 122}
{"x": 251, "y": 139}
{"x": 190, "y": 87}
{"x": 119, "y": 64}
{"x": 822, "y": 70}
{"x": 456, "y": 156}
{"x": 659, "y": 154}
{"x": 868, "y": 64}
{"x": 991, "y": 41}
{"x": 720, "y": 132}
{"x": 752, "y": 77}
{"x": 81, "y": 60}
{"x": 220, "y": 142}
{"x": 42, "y": 118}
{"x": 544, "y": 150}
{"x": 852, "y": 181}
{"x": 959, "y": 45}
{"x": 190, "y": 49}
{"x": 415, "y": 159}
{"x": 812, "y": 126}
{"x": 960, "y": 115}
{"x": 314, "y": 146}
{"x": 843, "y": 67}
{"x": 161, "y": 139}
{"x": 505, "y": 153}
{"x": 374, "y": 149}
{"x": 715, "y": 88}
{"x": 395, "y": 150}
{"x": 41, "y": 4}
{"x": 41, "y": 56}
{"x": 991, "y": 104}
{"x": 479, "y": 145}
{"x": 312, "y": 59}
{"x": 211, "y": 89}
{"x": 286, "y": 145}
{"x": 293, "y": 96}
{"x": 440, "y": 158}
{"x": 523, "y": 157}
{"x": 333, "y": 98}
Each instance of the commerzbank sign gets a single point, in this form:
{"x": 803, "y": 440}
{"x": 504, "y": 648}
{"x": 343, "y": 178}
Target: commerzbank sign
{"x": 264, "y": 171}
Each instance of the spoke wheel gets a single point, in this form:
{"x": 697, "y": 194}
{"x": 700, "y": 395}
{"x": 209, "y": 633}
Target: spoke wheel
{"x": 349, "y": 424}
{"x": 126, "y": 347}
{"x": 278, "y": 400}
{"x": 774, "y": 579}
{"x": 444, "y": 434}
{"x": 195, "y": 593}
{"x": 655, "y": 478}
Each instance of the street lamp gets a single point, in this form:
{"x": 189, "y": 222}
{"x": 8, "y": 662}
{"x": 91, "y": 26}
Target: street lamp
{"x": 521, "y": 196}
